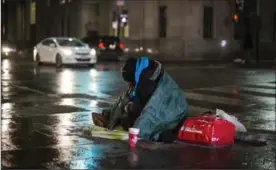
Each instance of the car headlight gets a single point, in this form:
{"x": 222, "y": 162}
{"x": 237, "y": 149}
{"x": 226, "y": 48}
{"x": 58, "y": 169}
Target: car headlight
{"x": 34, "y": 51}
{"x": 93, "y": 52}
{"x": 6, "y": 49}
{"x": 223, "y": 43}
{"x": 67, "y": 52}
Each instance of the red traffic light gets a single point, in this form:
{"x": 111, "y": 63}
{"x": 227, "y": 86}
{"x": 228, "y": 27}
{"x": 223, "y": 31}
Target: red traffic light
{"x": 236, "y": 17}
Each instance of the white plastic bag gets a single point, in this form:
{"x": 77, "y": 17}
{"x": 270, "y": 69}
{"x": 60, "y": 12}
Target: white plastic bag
{"x": 230, "y": 118}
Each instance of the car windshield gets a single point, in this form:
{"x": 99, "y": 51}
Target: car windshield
{"x": 70, "y": 43}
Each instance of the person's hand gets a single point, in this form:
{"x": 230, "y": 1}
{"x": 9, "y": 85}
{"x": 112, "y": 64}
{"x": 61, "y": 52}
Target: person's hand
{"x": 131, "y": 86}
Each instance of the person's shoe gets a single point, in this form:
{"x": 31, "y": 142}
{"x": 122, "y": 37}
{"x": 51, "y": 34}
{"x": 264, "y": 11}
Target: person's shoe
{"x": 99, "y": 120}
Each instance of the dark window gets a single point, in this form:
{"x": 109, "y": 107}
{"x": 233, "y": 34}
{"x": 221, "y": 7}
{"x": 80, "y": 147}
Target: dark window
{"x": 274, "y": 27}
{"x": 68, "y": 27}
{"x": 162, "y": 21}
{"x": 62, "y": 26}
{"x": 53, "y": 2}
{"x": 114, "y": 16}
{"x": 48, "y": 32}
{"x": 97, "y": 10}
{"x": 208, "y": 22}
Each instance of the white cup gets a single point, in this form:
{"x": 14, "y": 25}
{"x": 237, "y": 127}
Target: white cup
{"x": 134, "y": 131}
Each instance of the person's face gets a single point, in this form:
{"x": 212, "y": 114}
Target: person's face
{"x": 126, "y": 77}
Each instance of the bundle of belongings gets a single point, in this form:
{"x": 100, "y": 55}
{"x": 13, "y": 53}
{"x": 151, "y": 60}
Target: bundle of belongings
{"x": 156, "y": 105}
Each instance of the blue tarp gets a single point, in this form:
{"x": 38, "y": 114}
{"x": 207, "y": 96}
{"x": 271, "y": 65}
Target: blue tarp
{"x": 164, "y": 111}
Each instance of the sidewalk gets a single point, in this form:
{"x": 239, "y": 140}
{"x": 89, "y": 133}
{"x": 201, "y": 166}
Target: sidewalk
{"x": 223, "y": 64}
{"x": 258, "y": 64}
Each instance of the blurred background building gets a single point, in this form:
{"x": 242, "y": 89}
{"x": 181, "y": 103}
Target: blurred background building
{"x": 167, "y": 29}
{"x": 18, "y": 22}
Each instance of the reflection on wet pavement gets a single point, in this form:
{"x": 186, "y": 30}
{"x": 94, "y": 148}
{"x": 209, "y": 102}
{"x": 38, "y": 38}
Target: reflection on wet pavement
{"x": 43, "y": 110}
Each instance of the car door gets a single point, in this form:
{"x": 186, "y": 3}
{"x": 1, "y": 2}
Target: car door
{"x": 43, "y": 50}
{"x": 51, "y": 51}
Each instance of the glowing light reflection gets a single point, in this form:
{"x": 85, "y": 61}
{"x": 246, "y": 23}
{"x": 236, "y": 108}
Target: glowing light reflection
{"x": 85, "y": 158}
{"x": 6, "y": 106}
{"x": 66, "y": 81}
{"x": 5, "y": 133}
{"x": 63, "y": 136}
{"x": 93, "y": 87}
{"x": 67, "y": 101}
{"x": 5, "y": 125}
{"x": 6, "y": 64}
{"x": 93, "y": 103}
{"x": 93, "y": 73}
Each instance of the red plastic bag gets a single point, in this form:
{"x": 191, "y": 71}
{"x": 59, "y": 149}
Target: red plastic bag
{"x": 207, "y": 130}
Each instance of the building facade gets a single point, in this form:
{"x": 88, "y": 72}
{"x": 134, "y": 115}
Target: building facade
{"x": 75, "y": 18}
{"x": 166, "y": 29}
{"x": 18, "y": 22}
{"x": 182, "y": 29}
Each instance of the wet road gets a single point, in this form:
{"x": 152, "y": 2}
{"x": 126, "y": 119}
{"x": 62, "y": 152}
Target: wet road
{"x": 42, "y": 108}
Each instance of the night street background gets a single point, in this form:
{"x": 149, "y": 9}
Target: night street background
{"x": 43, "y": 106}
{"x": 46, "y": 112}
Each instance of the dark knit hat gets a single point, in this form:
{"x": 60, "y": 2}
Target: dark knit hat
{"x": 128, "y": 70}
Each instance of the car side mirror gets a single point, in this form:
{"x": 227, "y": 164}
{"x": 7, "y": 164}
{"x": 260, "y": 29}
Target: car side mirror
{"x": 52, "y": 45}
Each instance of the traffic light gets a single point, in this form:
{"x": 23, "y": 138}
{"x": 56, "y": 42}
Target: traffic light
{"x": 236, "y": 17}
{"x": 238, "y": 10}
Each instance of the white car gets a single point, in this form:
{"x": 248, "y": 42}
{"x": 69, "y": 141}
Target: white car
{"x": 63, "y": 50}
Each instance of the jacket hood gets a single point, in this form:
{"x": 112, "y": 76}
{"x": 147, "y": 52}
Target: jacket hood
{"x": 141, "y": 64}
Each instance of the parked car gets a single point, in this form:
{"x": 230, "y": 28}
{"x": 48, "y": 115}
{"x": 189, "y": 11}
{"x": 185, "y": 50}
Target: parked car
{"x": 108, "y": 47}
{"x": 64, "y": 50}
{"x": 8, "y": 49}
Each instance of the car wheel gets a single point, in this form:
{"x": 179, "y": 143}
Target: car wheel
{"x": 37, "y": 60}
{"x": 58, "y": 61}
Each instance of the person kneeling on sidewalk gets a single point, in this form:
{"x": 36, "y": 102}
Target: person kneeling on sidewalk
{"x": 153, "y": 102}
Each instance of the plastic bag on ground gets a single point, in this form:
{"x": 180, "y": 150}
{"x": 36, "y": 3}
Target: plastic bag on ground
{"x": 239, "y": 126}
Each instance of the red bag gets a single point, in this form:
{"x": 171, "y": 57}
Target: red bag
{"x": 207, "y": 130}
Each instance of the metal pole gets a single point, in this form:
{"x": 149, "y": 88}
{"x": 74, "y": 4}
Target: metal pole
{"x": 257, "y": 42}
{"x": 119, "y": 21}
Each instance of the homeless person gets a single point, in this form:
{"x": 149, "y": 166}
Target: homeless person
{"x": 153, "y": 102}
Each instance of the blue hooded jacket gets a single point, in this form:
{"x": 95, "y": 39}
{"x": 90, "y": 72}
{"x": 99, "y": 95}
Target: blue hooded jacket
{"x": 141, "y": 64}
{"x": 166, "y": 108}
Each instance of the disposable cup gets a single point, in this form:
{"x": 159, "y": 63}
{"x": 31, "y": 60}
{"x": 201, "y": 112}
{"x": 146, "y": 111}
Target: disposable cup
{"x": 133, "y": 137}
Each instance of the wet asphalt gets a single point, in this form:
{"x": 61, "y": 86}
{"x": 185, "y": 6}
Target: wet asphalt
{"x": 43, "y": 108}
